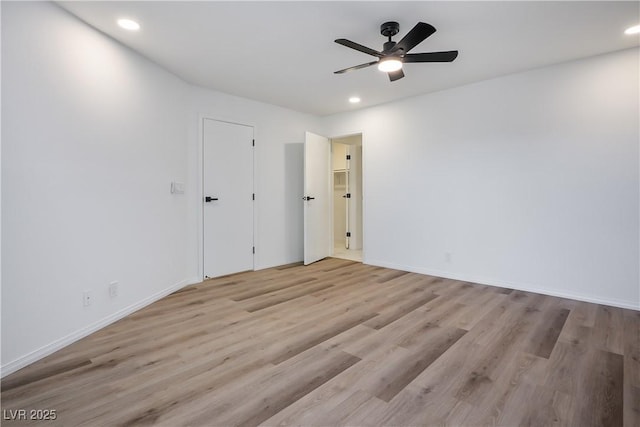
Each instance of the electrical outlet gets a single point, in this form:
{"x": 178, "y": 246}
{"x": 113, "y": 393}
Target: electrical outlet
{"x": 86, "y": 298}
{"x": 113, "y": 289}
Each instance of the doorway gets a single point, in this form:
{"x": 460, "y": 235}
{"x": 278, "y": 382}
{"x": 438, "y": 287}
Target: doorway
{"x": 347, "y": 197}
{"x": 333, "y": 195}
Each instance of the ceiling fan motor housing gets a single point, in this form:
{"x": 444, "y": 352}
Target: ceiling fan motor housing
{"x": 388, "y": 46}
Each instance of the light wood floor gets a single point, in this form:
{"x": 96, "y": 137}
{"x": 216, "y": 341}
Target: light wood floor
{"x": 340, "y": 343}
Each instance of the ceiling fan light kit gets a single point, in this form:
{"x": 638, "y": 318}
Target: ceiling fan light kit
{"x": 389, "y": 64}
{"x": 394, "y": 55}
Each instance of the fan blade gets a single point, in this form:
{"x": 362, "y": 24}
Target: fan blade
{"x": 417, "y": 34}
{"x": 355, "y": 67}
{"x": 396, "y": 75}
{"x": 358, "y": 47}
{"x": 447, "y": 56}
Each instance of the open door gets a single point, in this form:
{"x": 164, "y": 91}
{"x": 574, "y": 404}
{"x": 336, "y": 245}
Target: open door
{"x": 317, "y": 198}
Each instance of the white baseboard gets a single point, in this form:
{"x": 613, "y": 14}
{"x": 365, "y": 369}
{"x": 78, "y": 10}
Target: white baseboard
{"x": 192, "y": 281}
{"x": 506, "y": 284}
{"x": 56, "y": 345}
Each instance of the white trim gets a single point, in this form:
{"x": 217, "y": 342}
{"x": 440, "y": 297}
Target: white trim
{"x": 506, "y": 284}
{"x": 58, "y": 344}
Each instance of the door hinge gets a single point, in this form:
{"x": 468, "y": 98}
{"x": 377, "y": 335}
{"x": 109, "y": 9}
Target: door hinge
{"x": 253, "y": 251}
{"x": 253, "y": 196}
{"x": 348, "y": 234}
{"x": 253, "y": 142}
{"x": 348, "y": 156}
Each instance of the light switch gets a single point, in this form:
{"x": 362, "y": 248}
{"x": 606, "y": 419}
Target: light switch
{"x": 177, "y": 187}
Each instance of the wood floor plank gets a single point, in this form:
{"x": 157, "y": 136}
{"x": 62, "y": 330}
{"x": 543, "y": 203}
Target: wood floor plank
{"x": 364, "y": 415}
{"x": 262, "y": 290}
{"x": 46, "y": 372}
{"x": 418, "y": 406}
{"x": 349, "y": 336}
{"x": 319, "y": 335}
{"x": 603, "y": 405}
{"x": 330, "y": 403}
{"x": 343, "y": 343}
{"x": 395, "y": 312}
{"x": 557, "y": 408}
{"x": 546, "y": 333}
{"x": 567, "y": 363}
{"x": 332, "y": 411}
{"x": 337, "y": 264}
{"x": 632, "y": 347}
{"x": 417, "y": 361}
{"x": 609, "y": 329}
{"x": 268, "y": 395}
{"x": 631, "y": 406}
{"x": 504, "y": 403}
{"x": 509, "y": 339}
{"x": 384, "y": 338}
{"x": 471, "y": 314}
{"x": 391, "y": 275}
{"x": 278, "y": 297}
{"x": 631, "y": 368}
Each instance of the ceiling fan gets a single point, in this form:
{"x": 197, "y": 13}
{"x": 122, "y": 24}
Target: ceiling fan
{"x": 394, "y": 54}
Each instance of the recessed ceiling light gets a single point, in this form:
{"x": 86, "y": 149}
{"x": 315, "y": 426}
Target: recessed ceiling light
{"x": 354, "y": 100}
{"x": 128, "y": 24}
{"x": 633, "y": 30}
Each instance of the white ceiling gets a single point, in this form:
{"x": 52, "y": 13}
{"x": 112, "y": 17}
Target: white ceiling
{"x": 283, "y": 52}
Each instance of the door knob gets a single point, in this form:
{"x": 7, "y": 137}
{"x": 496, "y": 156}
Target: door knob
{"x": 208, "y": 199}
{"x": 308, "y": 198}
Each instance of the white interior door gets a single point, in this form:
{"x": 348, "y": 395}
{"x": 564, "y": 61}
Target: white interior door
{"x": 228, "y": 198}
{"x": 317, "y": 198}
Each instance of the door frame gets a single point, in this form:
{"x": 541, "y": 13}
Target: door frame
{"x": 200, "y": 189}
{"x": 362, "y": 189}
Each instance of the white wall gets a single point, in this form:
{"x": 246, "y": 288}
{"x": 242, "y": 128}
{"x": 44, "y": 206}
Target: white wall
{"x": 528, "y": 181}
{"x": 93, "y": 135}
{"x": 279, "y": 135}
